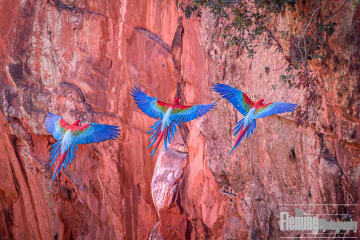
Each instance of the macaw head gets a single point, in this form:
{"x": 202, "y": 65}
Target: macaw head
{"x": 261, "y": 102}
{"x": 177, "y": 100}
{"x": 76, "y": 123}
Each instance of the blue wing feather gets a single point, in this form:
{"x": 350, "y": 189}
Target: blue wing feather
{"x": 147, "y": 104}
{"x": 95, "y": 133}
{"x": 275, "y": 108}
{"x": 234, "y": 96}
{"x": 52, "y": 124}
{"x": 191, "y": 113}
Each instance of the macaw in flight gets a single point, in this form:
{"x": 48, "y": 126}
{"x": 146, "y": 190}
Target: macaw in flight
{"x": 250, "y": 110}
{"x": 169, "y": 115}
{"x": 68, "y": 136}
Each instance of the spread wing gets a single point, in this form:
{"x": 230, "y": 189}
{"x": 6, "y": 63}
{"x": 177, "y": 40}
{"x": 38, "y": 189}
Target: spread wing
{"x": 94, "y": 132}
{"x": 52, "y": 124}
{"x": 188, "y": 113}
{"x": 236, "y": 97}
{"x": 274, "y": 108}
{"x": 149, "y": 105}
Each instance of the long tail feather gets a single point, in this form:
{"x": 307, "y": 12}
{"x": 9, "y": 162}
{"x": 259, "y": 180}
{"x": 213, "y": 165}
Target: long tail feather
{"x": 159, "y": 134}
{"x": 59, "y": 164}
{"x": 158, "y": 142}
{"x": 62, "y": 159}
{"x": 242, "y": 131}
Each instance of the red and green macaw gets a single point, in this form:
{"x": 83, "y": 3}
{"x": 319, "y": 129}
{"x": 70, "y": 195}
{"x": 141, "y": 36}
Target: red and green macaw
{"x": 249, "y": 109}
{"x": 69, "y": 136}
{"x": 169, "y": 115}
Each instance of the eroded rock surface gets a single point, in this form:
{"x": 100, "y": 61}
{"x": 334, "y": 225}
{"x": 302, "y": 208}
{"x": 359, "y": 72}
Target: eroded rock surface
{"x": 79, "y": 59}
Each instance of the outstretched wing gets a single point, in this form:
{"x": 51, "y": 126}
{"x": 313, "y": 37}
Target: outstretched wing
{"x": 93, "y": 132}
{"x": 236, "y": 97}
{"x": 274, "y": 108}
{"x": 188, "y": 113}
{"x": 149, "y": 105}
{"x": 53, "y": 126}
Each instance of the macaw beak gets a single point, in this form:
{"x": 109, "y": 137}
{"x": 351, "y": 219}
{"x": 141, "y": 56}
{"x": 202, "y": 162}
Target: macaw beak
{"x": 261, "y": 101}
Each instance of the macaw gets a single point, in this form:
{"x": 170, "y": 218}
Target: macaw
{"x": 69, "y": 136}
{"x": 250, "y": 110}
{"x": 169, "y": 115}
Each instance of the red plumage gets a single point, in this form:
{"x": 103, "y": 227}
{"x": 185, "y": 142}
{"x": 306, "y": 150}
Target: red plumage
{"x": 73, "y": 127}
{"x": 61, "y": 159}
{"x": 242, "y": 133}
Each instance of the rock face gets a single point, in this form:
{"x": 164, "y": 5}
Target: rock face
{"x": 80, "y": 58}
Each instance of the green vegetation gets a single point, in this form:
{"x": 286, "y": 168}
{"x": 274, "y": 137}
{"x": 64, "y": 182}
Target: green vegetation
{"x": 251, "y": 24}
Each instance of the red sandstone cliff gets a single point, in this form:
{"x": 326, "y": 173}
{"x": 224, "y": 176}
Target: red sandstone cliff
{"x": 80, "y": 59}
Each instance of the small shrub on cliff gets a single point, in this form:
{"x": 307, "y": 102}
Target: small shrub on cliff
{"x": 252, "y": 23}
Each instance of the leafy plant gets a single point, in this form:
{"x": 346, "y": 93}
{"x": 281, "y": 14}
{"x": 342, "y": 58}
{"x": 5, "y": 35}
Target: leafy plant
{"x": 251, "y": 24}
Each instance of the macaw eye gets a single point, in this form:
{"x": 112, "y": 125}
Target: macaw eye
{"x": 179, "y": 100}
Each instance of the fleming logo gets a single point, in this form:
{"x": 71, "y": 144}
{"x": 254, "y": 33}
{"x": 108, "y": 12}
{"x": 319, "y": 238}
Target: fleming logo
{"x": 305, "y": 222}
